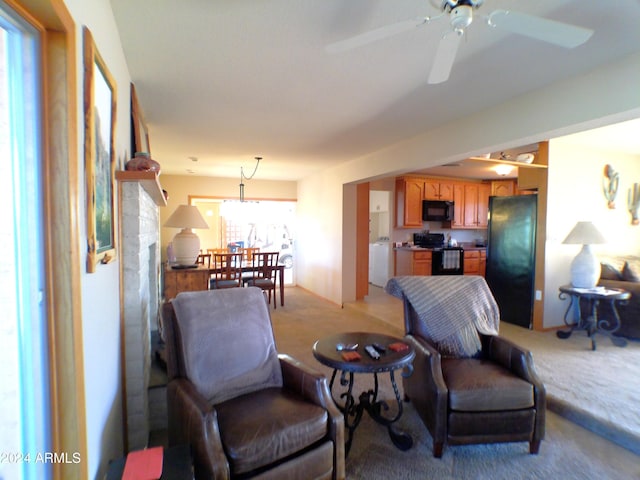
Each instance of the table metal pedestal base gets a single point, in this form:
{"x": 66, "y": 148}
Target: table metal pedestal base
{"x": 368, "y": 401}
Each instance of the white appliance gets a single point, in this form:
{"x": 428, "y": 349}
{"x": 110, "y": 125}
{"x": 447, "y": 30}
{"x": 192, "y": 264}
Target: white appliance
{"x": 379, "y": 263}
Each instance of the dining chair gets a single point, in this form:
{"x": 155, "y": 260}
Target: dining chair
{"x": 226, "y": 271}
{"x": 264, "y": 269}
{"x": 213, "y": 251}
{"x": 247, "y": 259}
{"x": 204, "y": 259}
{"x": 247, "y": 253}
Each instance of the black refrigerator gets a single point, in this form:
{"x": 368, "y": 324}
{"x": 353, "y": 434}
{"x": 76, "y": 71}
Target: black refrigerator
{"x": 511, "y": 251}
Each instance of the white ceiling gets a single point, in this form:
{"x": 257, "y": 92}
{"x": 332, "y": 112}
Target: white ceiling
{"x": 225, "y": 81}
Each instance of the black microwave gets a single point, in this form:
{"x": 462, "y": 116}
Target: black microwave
{"x": 437, "y": 211}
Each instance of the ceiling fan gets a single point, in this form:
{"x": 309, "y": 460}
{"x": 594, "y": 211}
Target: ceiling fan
{"x": 460, "y": 13}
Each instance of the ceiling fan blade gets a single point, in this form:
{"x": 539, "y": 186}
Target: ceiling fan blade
{"x": 374, "y": 35}
{"x": 445, "y": 55}
{"x": 557, "y": 33}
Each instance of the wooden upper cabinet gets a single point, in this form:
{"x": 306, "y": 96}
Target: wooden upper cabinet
{"x": 458, "y": 205}
{"x": 484, "y": 192}
{"x": 438, "y": 190}
{"x": 476, "y": 205}
{"x": 470, "y": 205}
{"x": 503, "y": 188}
{"x": 471, "y": 201}
{"x": 409, "y": 196}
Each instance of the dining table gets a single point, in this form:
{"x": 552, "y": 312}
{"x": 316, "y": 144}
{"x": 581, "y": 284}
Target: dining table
{"x": 195, "y": 278}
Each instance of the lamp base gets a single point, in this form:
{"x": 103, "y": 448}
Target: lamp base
{"x": 186, "y": 247}
{"x": 585, "y": 269}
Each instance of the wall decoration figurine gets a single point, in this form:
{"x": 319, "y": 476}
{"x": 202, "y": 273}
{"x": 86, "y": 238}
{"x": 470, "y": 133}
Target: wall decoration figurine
{"x": 610, "y": 185}
{"x": 633, "y": 202}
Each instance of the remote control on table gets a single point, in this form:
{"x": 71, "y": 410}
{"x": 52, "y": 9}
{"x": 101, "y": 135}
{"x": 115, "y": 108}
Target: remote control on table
{"x": 379, "y": 348}
{"x": 373, "y": 353}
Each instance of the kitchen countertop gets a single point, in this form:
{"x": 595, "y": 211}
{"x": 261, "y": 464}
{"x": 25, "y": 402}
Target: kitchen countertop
{"x": 465, "y": 246}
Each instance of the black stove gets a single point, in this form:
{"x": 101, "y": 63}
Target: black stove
{"x": 445, "y": 260}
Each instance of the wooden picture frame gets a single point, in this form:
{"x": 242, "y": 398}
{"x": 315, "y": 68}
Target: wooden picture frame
{"x": 99, "y": 155}
{"x": 139, "y": 131}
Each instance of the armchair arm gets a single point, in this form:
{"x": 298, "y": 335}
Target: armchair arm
{"x": 511, "y": 356}
{"x": 313, "y": 386}
{"x": 427, "y": 389}
{"x": 519, "y": 361}
{"x": 193, "y": 421}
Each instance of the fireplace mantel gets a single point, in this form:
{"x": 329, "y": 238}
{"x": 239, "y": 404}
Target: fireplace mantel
{"x": 148, "y": 180}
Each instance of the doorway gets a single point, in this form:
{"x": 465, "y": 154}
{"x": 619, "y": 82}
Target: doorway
{"x": 269, "y": 225}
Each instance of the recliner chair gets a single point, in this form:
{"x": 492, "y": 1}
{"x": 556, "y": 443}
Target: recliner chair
{"x": 467, "y": 386}
{"x": 246, "y": 411}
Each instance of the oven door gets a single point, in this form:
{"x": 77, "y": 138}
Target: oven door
{"x": 447, "y": 261}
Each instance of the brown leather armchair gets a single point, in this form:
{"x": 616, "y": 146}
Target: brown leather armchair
{"x": 246, "y": 411}
{"x": 492, "y": 396}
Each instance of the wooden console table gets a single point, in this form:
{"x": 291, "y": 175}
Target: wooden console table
{"x": 185, "y": 280}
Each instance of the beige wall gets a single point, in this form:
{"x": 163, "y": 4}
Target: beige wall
{"x": 181, "y": 187}
{"x": 575, "y": 194}
{"x": 598, "y": 98}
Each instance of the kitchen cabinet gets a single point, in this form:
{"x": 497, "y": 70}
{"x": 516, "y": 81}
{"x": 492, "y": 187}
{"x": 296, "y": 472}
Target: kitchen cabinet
{"x": 475, "y": 262}
{"x": 458, "y": 206}
{"x": 476, "y": 205}
{"x": 484, "y": 192}
{"x": 503, "y": 188}
{"x": 438, "y": 190}
{"x": 412, "y": 262}
{"x": 184, "y": 280}
{"x": 409, "y": 196}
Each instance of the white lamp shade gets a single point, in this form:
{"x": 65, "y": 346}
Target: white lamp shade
{"x": 186, "y": 216}
{"x": 186, "y": 244}
{"x": 186, "y": 247}
{"x": 585, "y": 233}
{"x": 585, "y": 269}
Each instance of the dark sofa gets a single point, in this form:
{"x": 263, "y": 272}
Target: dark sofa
{"x": 623, "y": 272}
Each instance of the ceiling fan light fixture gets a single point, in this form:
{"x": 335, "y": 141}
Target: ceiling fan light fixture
{"x": 461, "y": 17}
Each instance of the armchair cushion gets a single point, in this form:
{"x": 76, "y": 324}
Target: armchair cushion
{"x": 235, "y": 374}
{"x": 477, "y": 385}
{"x": 264, "y": 427}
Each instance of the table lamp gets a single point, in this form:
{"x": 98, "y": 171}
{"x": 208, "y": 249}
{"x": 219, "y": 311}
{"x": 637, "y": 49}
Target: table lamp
{"x": 585, "y": 268}
{"x": 186, "y": 244}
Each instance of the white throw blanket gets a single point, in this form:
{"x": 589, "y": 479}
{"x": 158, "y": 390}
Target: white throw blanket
{"x": 453, "y": 309}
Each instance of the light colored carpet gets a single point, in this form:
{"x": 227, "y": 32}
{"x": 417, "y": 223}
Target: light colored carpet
{"x": 565, "y": 454}
{"x": 599, "y": 390}
{"x": 568, "y": 451}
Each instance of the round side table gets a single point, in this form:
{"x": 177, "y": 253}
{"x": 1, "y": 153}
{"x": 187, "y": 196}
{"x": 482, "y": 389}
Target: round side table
{"x": 590, "y": 322}
{"x": 326, "y": 352}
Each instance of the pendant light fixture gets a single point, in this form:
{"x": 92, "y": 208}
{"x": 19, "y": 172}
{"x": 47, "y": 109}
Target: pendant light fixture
{"x": 244, "y": 177}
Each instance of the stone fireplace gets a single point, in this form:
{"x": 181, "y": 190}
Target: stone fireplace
{"x": 139, "y": 220}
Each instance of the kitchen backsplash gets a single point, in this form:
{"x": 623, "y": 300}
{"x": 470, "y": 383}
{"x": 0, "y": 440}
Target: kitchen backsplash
{"x": 461, "y": 236}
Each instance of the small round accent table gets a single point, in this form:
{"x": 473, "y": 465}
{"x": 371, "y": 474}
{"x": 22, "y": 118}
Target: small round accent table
{"x": 326, "y": 352}
{"x": 591, "y": 323}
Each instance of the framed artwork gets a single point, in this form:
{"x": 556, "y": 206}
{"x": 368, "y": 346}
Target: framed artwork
{"x": 139, "y": 133}
{"x": 99, "y": 155}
